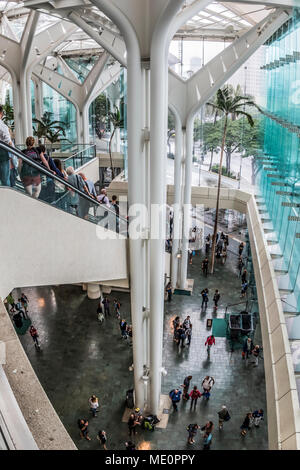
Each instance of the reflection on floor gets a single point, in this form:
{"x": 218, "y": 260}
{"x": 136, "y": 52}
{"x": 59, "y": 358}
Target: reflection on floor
{"x": 81, "y": 357}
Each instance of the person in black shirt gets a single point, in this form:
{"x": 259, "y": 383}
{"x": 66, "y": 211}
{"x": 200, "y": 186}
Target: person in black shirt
{"x": 132, "y": 424}
{"x": 102, "y": 439}
{"x": 83, "y": 426}
{"x": 205, "y": 266}
{"x": 204, "y": 294}
{"x": 130, "y": 446}
{"x": 216, "y": 298}
{"x": 105, "y": 302}
{"x": 244, "y": 276}
{"x": 186, "y": 386}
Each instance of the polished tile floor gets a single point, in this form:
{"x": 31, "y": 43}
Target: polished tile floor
{"x": 80, "y": 357}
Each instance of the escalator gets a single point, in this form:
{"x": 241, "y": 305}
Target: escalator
{"x": 48, "y": 226}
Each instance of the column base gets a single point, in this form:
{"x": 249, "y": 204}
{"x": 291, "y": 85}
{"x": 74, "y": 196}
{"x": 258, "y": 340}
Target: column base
{"x": 93, "y": 291}
{"x": 188, "y": 288}
{"x": 163, "y": 412}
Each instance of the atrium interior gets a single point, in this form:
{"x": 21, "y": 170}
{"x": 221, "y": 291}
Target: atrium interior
{"x": 150, "y": 274}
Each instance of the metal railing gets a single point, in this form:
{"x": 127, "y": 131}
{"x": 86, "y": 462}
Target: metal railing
{"x": 88, "y": 208}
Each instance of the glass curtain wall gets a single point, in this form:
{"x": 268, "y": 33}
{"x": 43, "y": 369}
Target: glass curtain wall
{"x": 279, "y": 177}
{"x": 62, "y": 110}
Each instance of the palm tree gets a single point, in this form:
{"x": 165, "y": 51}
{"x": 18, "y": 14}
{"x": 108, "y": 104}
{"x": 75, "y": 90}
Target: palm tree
{"x": 227, "y": 103}
{"x": 117, "y": 122}
{"x": 47, "y": 127}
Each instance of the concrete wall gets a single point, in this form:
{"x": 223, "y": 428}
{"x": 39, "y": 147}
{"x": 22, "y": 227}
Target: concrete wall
{"x": 40, "y": 416}
{"x": 91, "y": 170}
{"x": 41, "y": 245}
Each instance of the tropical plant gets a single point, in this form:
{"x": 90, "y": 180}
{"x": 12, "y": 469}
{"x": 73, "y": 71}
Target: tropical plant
{"x": 47, "y": 127}
{"x": 228, "y": 105}
{"x": 101, "y": 108}
{"x": 8, "y": 117}
{"x": 117, "y": 122}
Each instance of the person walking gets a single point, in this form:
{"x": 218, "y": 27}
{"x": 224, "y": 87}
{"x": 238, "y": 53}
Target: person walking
{"x": 34, "y": 335}
{"x": 169, "y": 291}
{"x": 192, "y": 431}
{"x": 223, "y": 416}
{"x": 194, "y": 395}
{"x": 176, "y": 323}
{"x": 216, "y": 298}
{"x": 11, "y": 302}
{"x": 102, "y": 438}
{"x": 123, "y": 328}
{"x": 188, "y": 334}
{"x": 4, "y": 155}
{"x": 94, "y": 405}
{"x": 186, "y": 386}
{"x": 190, "y": 254}
{"x": 258, "y": 415}
{"x": 105, "y": 302}
{"x": 220, "y": 245}
{"x": 210, "y": 341}
{"x": 205, "y": 266}
{"x": 117, "y": 307}
{"x": 24, "y": 302}
{"x": 100, "y": 312}
{"x": 247, "y": 423}
{"x": 207, "y": 384}
{"x": 207, "y": 439}
{"x": 226, "y": 241}
{"x": 224, "y": 254}
{"x": 187, "y": 323}
{"x": 240, "y": 265}
{"x": 84, "y": 430}
{"x": 244, "y": 276}
{"x": 175, "y": 396}
{"x": 241, "y": 248}
{"x": 19, "y": 309}
{"x": 182, "y": 336}
{"x": 244, "y": 289}
{"x": 204, "y": 294}
{"x": 248, "y": 347}
{"x": 207, "y": 245}
{"x": 132, "y": 424}
{"x": 255, "y": 354}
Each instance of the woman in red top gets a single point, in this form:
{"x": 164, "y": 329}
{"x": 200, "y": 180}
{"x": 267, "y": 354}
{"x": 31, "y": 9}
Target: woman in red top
{"x": 195, "y": 394}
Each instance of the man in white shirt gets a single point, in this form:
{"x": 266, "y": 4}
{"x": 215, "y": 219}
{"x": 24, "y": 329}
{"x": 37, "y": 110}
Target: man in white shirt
{"x": 4, "y": 156}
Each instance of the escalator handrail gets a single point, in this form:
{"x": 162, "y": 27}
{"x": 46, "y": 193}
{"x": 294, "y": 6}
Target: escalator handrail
{"x": 45, "y": 171}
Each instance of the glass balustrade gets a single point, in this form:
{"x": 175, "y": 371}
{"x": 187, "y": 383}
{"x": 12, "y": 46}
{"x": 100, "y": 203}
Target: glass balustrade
{"x": 35, "y": 180}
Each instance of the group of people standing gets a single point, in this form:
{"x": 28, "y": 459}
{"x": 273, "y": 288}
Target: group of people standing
{"x": 222, "y": 243}
{"x": 252, "y": 418}
{"x": 19, "y": 310}
{"x": 182, "y": 331}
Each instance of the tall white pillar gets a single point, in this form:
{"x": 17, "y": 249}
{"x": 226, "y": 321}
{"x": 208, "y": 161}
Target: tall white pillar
{"x": 93, "y": 291}
{"x": 187, "y": 200}
{"x": 38, "y": 98}
{"x": 23, "y": 90}
{"x": 79, "y": 125}
{"x": 177, "y": 198}
{"x": 158, "y": 156}
{"x": 17, "y": 111}
{"x": 85, "y": 124}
